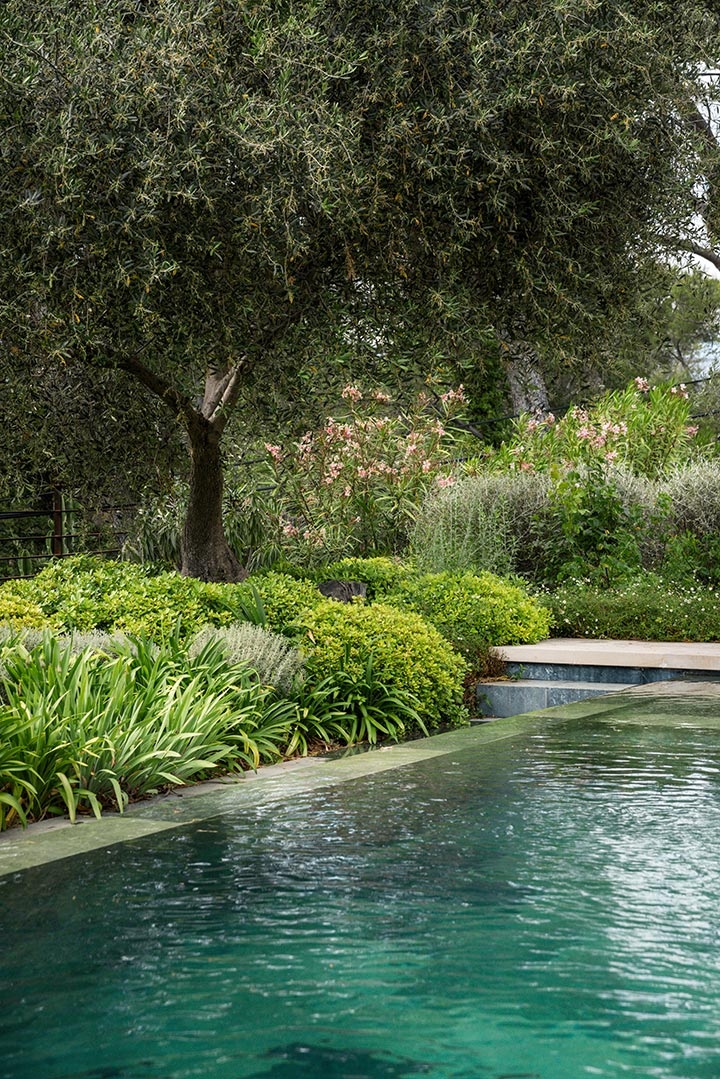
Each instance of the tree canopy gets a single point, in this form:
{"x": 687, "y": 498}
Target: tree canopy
{"x": 201, "y": 194}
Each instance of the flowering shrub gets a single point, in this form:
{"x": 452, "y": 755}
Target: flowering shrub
{"x": 645, "y": 429}
{"x": 354, "y": 486}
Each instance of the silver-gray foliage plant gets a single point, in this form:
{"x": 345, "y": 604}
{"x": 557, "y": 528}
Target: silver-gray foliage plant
{"x": 275, "y": 660}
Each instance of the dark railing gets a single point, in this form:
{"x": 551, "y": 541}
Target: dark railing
{"x": 22, "y": 553}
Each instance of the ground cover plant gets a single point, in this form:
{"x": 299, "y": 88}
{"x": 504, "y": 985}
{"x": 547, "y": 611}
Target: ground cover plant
{"x": 642, "y": 608}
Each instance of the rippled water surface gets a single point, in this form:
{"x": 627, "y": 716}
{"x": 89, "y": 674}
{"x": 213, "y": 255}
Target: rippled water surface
{"x": 545, "y": 906}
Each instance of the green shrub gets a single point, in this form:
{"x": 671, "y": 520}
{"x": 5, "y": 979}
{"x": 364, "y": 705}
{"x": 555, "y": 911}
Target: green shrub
{"x": 644, "y": 609}
{"x": 282, "y": 598}
{"x": 83, "y": 593}
{"x": 473, "y": 611}
{"x": 407, "y": 655}
{"x": 645, "y": 428}
{"x": 496, "y": 522}
{"x": 18, "y": 611}
{"x": 381, "y": 575}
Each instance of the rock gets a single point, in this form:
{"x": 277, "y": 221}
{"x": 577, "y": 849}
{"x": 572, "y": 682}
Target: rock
{"x": 343, "y": 591}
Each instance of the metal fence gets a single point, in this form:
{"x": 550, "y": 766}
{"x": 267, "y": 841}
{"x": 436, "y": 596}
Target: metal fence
{"x": 57, "y": 527}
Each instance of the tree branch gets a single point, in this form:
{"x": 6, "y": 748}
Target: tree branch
{"x": 230, "y": 394}
{"x": 173, "y": 398}
{"x": 702, "y": 252}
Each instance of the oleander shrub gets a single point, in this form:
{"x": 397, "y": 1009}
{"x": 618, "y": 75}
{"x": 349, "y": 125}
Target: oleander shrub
{"x": 408, "y": 655}
{"x": 380, "y": 574}
{"x": 646, "y": 429}
{"x": 474, "y": 611}
{"x": 646, "y": 608}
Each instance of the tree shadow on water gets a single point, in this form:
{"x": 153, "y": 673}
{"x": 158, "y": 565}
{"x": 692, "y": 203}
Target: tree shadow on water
{"x": 297, "y": 1060}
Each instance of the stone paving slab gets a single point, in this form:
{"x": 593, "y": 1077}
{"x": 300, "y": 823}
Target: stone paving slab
{"x": 675, "y": 655}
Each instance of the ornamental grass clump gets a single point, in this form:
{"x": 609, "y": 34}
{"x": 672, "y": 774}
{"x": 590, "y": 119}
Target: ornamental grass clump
{"x": 82, "y": 731}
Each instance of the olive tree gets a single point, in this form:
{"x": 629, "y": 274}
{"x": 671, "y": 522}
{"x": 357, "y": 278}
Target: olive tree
{"x": 196, "y": 193}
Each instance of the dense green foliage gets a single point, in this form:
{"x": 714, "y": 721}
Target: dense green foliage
{"x": 93, "y": 728}
{"x": 407, "y": 654}
{"x": 209, "y": 196}
{"x": 87, "y": 593}
{"x": 474, "y": 611}
{"x": 380, "y": 574}
{"x": 647, "y": 608}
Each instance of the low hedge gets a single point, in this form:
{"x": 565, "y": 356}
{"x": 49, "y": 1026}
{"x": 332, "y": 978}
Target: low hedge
{"x": 646, "y": 609}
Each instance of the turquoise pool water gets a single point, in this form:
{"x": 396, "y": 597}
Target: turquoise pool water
{"x": 544, "y": 906}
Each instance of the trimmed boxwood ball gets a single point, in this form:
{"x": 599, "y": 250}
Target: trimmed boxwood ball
{"x": 407, "y": 653}
{"x": 474, "y": 611}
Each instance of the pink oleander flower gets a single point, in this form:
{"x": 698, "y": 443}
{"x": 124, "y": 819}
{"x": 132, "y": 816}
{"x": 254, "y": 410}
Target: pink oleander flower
{"x": 351, "y": 393}
{"x": 446, "y": 481}
{"x": 550, "y": 419}
{"x": 381, "y": 398}
{"x": 611, "y": 456}
{"x": 526, "y": 466}
{"x": 454, "y": 395}
{"x": 532, "y": 425}
{"x": 598, "y": 442}
{"x": 586, "y": 432}
{"x": 426, "y": 465}
{"x": 363, "y": 473}
{"x": 290, "y": 530}
{"x": 274, "y": 451}
{"x": 642, "y": 384}
{"x": 347, "y": 491}
{"x": 692, "y": 429}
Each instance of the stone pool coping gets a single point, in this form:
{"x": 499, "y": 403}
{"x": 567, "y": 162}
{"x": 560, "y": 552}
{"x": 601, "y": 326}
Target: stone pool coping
{"x": 49, "y": 841}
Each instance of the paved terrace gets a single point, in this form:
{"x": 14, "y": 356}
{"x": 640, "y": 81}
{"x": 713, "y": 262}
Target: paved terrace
{"x": 683, "y": 656}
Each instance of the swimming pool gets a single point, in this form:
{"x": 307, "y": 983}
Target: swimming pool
{"x": 543, "y": 904}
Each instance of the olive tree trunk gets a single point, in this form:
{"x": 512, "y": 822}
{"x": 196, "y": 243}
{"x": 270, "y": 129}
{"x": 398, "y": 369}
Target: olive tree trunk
{"x": 205, "y": 552}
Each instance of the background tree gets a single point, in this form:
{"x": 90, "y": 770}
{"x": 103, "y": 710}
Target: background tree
{"x": 201, "y": 194}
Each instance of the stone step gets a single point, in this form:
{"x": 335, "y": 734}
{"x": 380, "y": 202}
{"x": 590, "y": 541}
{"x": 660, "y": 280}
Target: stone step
{"x": 602, "y": 673}
{"x": 672, "y": 656}
{"x": 515, "y": 697}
